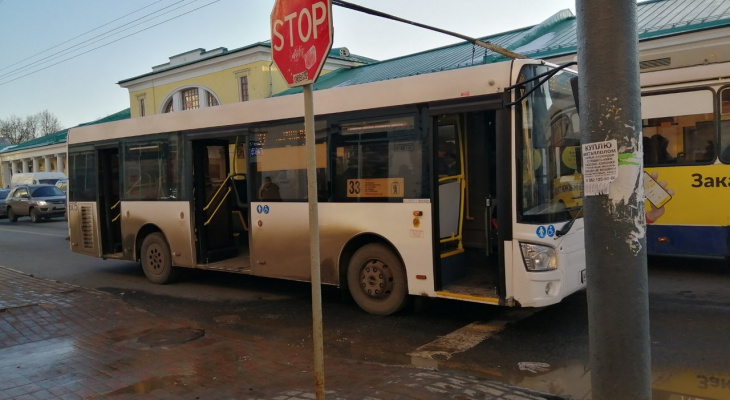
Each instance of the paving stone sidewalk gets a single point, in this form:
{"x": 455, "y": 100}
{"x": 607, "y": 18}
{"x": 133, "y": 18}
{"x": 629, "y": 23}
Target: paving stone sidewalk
{"x": 59, "y": 341}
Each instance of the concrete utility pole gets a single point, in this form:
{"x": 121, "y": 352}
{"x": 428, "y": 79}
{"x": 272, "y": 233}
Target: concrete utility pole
{"x": 610, "y": 112}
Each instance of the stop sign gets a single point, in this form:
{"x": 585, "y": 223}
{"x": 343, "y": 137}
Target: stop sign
{"x": 301, "y": 38}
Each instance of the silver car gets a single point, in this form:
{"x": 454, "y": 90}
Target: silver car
{"x": 35, "y": 201}
{"x": 3, "y": 194}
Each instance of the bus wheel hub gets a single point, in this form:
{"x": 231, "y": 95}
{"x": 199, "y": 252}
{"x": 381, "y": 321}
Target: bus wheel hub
{"x": 376, "y": 279}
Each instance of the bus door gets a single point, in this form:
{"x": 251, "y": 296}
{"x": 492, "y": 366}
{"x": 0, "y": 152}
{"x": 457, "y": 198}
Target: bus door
{"x": 465, "y": 165}
{"x": 212, "y": 201}
{"x": 109, "y": 201}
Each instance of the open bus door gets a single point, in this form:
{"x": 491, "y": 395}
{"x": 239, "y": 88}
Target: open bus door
{"x": 466, "y": 171}
{"x": 109, "y": 201}
{"x": 212, "y": 201}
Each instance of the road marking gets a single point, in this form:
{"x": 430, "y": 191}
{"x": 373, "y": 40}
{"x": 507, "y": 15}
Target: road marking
{"x": 31, "y": 233}
{"x": 464, "y": 339}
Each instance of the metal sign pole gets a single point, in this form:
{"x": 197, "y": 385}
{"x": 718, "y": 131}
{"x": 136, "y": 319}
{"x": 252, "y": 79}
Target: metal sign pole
{"x": 610, "y": 122}
{"x": 317, "y": 336}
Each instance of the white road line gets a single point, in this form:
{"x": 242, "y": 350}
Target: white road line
{"x": 464, "y": 339}
{"x": 31, "y": 233}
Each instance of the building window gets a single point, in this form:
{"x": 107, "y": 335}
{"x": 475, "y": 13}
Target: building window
{"x": 212, "y": 101}
{"x": 190, "y": 99}
{"x": 243, "y": 82}
{"x": 141, "y": 107}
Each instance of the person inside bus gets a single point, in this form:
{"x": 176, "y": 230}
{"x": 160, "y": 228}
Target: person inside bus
{"x": 269, "y": 191}
{"x": 660, "y": 145}
{"x": 649, "y": 153}
{"x": 709, "y": 151}
{"x": 446, "y": 161}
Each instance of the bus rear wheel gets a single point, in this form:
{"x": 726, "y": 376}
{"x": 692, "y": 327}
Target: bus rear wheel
{"x": 157, "y": 259}
{"x": 377, "y": 280}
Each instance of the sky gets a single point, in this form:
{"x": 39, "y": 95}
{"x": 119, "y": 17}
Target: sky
{"x": 66, "y": 56}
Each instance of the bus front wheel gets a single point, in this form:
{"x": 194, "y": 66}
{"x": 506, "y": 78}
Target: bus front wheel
{"x": 156, "y": 259}
{"x": 377, "y": 280}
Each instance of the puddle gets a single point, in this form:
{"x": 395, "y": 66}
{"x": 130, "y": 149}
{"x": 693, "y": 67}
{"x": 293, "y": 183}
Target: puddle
{"x": 171, "y": 337}
{"x": 149, "y": 385}
{"x": 574, "y": 380}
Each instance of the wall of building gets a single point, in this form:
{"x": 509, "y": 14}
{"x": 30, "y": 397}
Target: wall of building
{"x": 224, "y": 84}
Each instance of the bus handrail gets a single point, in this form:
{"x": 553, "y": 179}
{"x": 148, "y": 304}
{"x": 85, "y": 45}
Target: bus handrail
{"x": 219, "y": 206}
{"x": 115, "y": 206}
{"x": 215, "y": 195}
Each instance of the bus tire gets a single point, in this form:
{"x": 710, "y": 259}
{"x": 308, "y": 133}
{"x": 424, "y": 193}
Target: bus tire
{"x": 377, "y": 280}
{"x": 157, "y": 259}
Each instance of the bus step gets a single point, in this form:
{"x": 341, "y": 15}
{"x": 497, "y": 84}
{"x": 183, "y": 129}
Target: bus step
{"x": 229, "y": 268}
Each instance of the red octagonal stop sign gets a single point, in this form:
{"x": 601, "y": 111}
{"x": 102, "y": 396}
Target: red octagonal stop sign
{"x": 301, "y": 38}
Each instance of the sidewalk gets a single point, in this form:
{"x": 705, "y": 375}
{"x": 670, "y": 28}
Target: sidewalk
{"x": 59, "y": 341}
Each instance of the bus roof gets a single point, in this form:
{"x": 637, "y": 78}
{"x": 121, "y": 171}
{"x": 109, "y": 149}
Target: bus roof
{"x": 441, "y": 86}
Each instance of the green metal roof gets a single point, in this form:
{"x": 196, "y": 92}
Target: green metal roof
{"x": 554, "y": 37}
{"x": 60, "y": 136}
{"x": 124, "y": 114}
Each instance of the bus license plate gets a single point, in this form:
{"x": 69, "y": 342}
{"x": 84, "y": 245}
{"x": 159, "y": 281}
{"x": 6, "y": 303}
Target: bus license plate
{"x": 583, "y": 276}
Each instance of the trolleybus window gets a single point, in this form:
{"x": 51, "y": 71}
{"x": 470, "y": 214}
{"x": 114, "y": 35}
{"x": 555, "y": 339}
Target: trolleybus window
{"x": 678, "y": 128}
{"x": 152, "y": 169}
{"x": 380, "y": 160}
{"x": 82, "y": 170}
{"x": 278, "y": 153}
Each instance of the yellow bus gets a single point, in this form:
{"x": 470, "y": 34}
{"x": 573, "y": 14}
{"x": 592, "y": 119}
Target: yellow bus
{"x": 686, "y": 141}
{"x": 417, "y": 187}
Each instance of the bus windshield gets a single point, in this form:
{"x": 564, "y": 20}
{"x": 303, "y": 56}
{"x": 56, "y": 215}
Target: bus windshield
{"x": 548, "y": 148}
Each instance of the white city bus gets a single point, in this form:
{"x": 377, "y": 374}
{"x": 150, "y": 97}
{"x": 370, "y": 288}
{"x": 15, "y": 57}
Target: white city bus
{"x": 460, "y": 184}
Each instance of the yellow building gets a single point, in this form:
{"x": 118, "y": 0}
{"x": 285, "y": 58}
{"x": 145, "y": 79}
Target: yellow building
{"x": 200, "y": 78}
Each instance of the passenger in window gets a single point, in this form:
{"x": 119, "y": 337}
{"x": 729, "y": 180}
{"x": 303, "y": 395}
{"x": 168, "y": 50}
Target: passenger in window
{"x": 660, "y": 145}
{"x": 649, "y": 153}
{"x": 709, "y": 151}
{"x": 269, "y": 191}
{"x": 446, "y": 161}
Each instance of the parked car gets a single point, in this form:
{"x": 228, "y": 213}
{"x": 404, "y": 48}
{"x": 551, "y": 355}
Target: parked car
{"x": 35, "y": 201}
{"x": 3, "y": 194}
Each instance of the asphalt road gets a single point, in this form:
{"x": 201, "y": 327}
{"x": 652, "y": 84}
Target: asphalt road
{"x": 543, "y": 349}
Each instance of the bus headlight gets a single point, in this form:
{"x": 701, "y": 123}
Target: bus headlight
{"x": 538, "y": 258}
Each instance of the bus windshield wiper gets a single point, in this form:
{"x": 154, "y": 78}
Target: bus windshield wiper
{"x": 566, "y": 228}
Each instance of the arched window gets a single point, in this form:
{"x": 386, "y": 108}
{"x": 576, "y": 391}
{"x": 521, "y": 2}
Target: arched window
{"x": 189, "y": 98}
